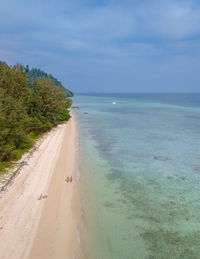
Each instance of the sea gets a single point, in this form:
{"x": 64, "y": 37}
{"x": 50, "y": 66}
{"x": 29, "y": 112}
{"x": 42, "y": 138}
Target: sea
{"x": 139, "y": 169}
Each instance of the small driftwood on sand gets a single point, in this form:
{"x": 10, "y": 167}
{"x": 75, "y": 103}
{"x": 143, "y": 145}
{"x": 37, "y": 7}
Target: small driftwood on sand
{"x": 42, "y": 197}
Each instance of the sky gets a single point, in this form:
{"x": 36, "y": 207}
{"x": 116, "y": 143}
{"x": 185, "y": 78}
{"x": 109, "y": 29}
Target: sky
{"x": 106, "y": 45}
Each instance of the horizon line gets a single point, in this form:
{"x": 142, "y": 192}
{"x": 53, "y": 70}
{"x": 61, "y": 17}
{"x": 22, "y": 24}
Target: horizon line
{"x": 136, "y": 92}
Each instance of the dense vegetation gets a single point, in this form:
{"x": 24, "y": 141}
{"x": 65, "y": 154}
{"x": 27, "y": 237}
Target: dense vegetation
{"x": 35, "y": 74}
{"x": 26, "y": 112}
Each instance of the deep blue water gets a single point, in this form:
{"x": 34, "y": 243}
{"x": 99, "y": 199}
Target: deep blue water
{"x": 140, "y": 175}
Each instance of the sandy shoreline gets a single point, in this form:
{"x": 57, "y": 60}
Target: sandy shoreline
{"x": 31, "y": 227}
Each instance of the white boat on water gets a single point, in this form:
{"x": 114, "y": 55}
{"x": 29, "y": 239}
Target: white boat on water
{"x": 113, "y": 102}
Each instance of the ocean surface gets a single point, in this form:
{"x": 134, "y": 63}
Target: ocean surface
{"x": 140, "y": 175}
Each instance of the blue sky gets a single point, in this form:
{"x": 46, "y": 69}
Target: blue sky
{"x": 106, "y": 46}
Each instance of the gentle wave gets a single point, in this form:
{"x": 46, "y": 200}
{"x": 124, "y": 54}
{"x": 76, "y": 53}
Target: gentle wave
{"x": 78, "y": 175}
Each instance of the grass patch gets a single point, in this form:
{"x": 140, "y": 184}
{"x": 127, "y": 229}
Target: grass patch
{"x": 4, "y": 166}
{"x": 17, "y": 154}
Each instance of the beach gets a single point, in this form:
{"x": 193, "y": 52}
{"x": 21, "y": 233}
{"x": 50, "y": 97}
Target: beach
{"x": 37, "y": 215}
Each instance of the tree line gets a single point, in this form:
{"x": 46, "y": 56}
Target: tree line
{"x": 36, "y": 73}
{"x": 27, "y": 109}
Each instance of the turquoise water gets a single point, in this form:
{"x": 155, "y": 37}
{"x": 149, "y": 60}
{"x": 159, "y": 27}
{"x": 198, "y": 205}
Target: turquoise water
{"x": 140, "y": 175}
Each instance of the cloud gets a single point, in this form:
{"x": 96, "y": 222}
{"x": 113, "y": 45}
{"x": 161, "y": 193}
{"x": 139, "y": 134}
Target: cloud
{"x": 114, "y": 41}
{"x": 171, "y": 20}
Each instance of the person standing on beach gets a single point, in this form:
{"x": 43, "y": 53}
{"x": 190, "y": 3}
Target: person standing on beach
{"x": 71, "y": 179}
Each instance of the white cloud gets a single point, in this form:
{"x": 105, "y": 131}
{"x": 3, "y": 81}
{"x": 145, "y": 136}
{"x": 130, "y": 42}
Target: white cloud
{"x": 171, "y": 20}
{"x": 127, "y": 38}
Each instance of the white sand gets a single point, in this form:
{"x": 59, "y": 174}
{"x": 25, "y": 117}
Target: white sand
{"x": 42, "y": 228}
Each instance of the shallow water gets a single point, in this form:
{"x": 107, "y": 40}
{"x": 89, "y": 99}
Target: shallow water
{"x": 140, "y": 175}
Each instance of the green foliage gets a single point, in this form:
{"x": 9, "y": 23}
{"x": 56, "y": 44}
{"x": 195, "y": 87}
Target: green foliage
{"x": 48, "y": 102}
{"x": 36, "y": 74}
{"x": 4, "y": 166}
{"x": 26, "y": 112}
{"x": 13, "y": 83}
{"x": 64, "y": 115}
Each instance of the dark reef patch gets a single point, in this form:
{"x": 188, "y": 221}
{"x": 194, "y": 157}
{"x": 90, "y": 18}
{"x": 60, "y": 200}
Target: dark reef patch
{"x": 109, "y": 204}
{"x": 163, "y": 243}
{"x": 115, "y": 174}
{"x": 161, "y": 158}
{"x": 160, "y": 219}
